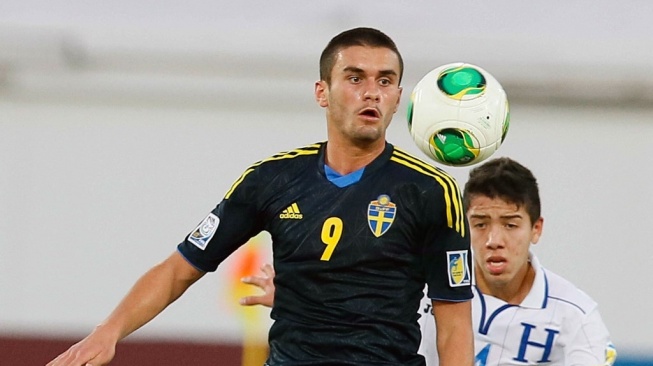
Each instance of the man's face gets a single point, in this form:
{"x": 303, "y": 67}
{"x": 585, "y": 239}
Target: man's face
{"x": 501, "y": 235}
{"x": 363, "y": 94}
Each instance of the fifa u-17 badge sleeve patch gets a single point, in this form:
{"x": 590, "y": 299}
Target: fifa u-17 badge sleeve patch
{"x": 203, "y": 233}
{"x": 459, "y": 271}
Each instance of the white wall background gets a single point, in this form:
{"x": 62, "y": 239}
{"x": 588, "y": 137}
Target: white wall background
{"x": 122, "y": 124}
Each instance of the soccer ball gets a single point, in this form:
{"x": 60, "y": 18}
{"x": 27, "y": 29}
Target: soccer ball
{"x": 458, "y": 114}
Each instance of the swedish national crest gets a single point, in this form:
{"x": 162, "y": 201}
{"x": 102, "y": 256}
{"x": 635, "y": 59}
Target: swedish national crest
{"x": 381, "y": 214}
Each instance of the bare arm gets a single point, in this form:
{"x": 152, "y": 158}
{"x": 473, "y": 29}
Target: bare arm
{"x": 455, "y": 340}
{"x": 153, "y": 292}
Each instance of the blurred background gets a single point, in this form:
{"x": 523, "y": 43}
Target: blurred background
{"x": 123, "y": 123}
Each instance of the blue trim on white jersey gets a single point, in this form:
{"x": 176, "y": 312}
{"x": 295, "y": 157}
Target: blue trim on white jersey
{"x": 570, "y": 303}
{"x": 545, "y": 301}
{"x": 547, "y": 296}
{"x": 541, "y": 281}
{"x": 484, "y": 326}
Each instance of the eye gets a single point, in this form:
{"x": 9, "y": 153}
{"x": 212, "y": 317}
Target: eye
{"x": 355, "y": 79}
{"x": 479, "y": 225}
{"x": 385, "y": 82}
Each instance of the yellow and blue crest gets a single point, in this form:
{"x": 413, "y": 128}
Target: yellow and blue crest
{"x": 459, "y": 273}
{"x": 380, "y": 214}
{"x": 610, "y": 354}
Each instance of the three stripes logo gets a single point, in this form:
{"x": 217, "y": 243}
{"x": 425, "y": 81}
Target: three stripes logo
{"x": 292, "y": 212}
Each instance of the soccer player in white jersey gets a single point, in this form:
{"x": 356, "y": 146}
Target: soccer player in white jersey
{"x": 523, "y": 314}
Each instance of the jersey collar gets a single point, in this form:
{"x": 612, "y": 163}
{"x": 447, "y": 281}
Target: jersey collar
{"x": 370, "y": 168}
{"x": 537, "y": 296}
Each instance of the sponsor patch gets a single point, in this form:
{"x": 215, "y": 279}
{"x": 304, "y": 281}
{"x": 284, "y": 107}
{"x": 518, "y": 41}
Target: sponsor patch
{"x": 459, "y": 274}
{"x": 203, "y": 233}
{"x": 381, "y": 214}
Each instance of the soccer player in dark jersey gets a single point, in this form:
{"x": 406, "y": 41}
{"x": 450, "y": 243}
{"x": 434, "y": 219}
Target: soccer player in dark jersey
{"x": 522, "y": 313}
{"x": 358, "y": 228}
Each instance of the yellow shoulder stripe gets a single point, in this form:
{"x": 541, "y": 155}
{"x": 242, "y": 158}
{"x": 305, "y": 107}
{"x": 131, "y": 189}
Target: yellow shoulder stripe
{"x": 452, "y": 197}
{"x": 306, "y": 150}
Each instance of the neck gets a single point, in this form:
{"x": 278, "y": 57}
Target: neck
{"x": 513, "y": 292}
{"x": 347, "y": 158}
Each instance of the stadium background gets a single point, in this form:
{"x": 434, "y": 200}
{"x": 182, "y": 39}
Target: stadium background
{"x": 123, "y": 123}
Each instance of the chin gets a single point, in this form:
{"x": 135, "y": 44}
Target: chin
{"x": 497, "y": 280}
{"x": 369, "y": 135}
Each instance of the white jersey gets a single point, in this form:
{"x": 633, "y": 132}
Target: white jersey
{"x": 556, "y": 324}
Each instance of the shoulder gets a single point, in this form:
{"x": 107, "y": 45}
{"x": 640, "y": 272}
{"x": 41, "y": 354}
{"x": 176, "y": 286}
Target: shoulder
{"x": 297, "y": 155}
{"x": 420, "y": 170}
{"x": 280, "y": 168}
{"x": 287, "y": 161}
{"x": 437, "y": 190}
{"x": 567, "y": 294}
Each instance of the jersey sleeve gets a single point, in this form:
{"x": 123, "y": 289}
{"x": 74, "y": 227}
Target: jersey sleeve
{"x": 591, "y": 345}
{"x": 229, "y": 225}
{"x": 446, "y": 254}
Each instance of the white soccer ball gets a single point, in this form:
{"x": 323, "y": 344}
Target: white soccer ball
{"x": 458, "y": 114}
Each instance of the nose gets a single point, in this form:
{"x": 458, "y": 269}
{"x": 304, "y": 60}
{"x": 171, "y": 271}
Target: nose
{"x": 372, "y": 91}
{"x": 494, "y": 239}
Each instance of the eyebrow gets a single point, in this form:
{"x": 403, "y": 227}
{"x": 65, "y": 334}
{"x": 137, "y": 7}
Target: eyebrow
{"x": 358, "y": 70}
{"x": 509, "y": 216}
{"x": 478, "y": 216}
{"x": 512, "y": 216}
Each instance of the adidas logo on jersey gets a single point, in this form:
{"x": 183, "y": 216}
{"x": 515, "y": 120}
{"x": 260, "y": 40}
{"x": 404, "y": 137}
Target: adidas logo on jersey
{"x": 292, "y": 212}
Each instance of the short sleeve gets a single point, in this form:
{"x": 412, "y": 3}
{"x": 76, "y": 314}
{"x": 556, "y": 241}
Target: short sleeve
{"x": 447, "y": 256}
{"x": 591, "y": 345}
{"x": 229, "y": 225}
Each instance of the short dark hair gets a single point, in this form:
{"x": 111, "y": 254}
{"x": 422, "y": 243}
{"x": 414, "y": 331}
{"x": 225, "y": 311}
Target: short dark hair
{"x": 508, "y": 180}
{"x": 362, "y": 36}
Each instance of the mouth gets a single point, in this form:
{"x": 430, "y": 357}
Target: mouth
{"x": 496, "y": 264}
{"x": 370, "y": 113}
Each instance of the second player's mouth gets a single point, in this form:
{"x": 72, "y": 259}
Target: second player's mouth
{"x": 496, "y": 264}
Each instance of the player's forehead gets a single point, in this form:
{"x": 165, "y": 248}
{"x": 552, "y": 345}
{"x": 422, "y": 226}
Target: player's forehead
{"x": 481, "y": 206}
{"x": 366, "y": 59}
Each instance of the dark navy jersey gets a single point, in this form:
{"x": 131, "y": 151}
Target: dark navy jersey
{"x": 351, "y": 262}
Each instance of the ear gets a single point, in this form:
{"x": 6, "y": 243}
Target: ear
{"x": 536, "y": 231}
{"x": 401, "y": 89}
{"x": 322, "y": 93}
